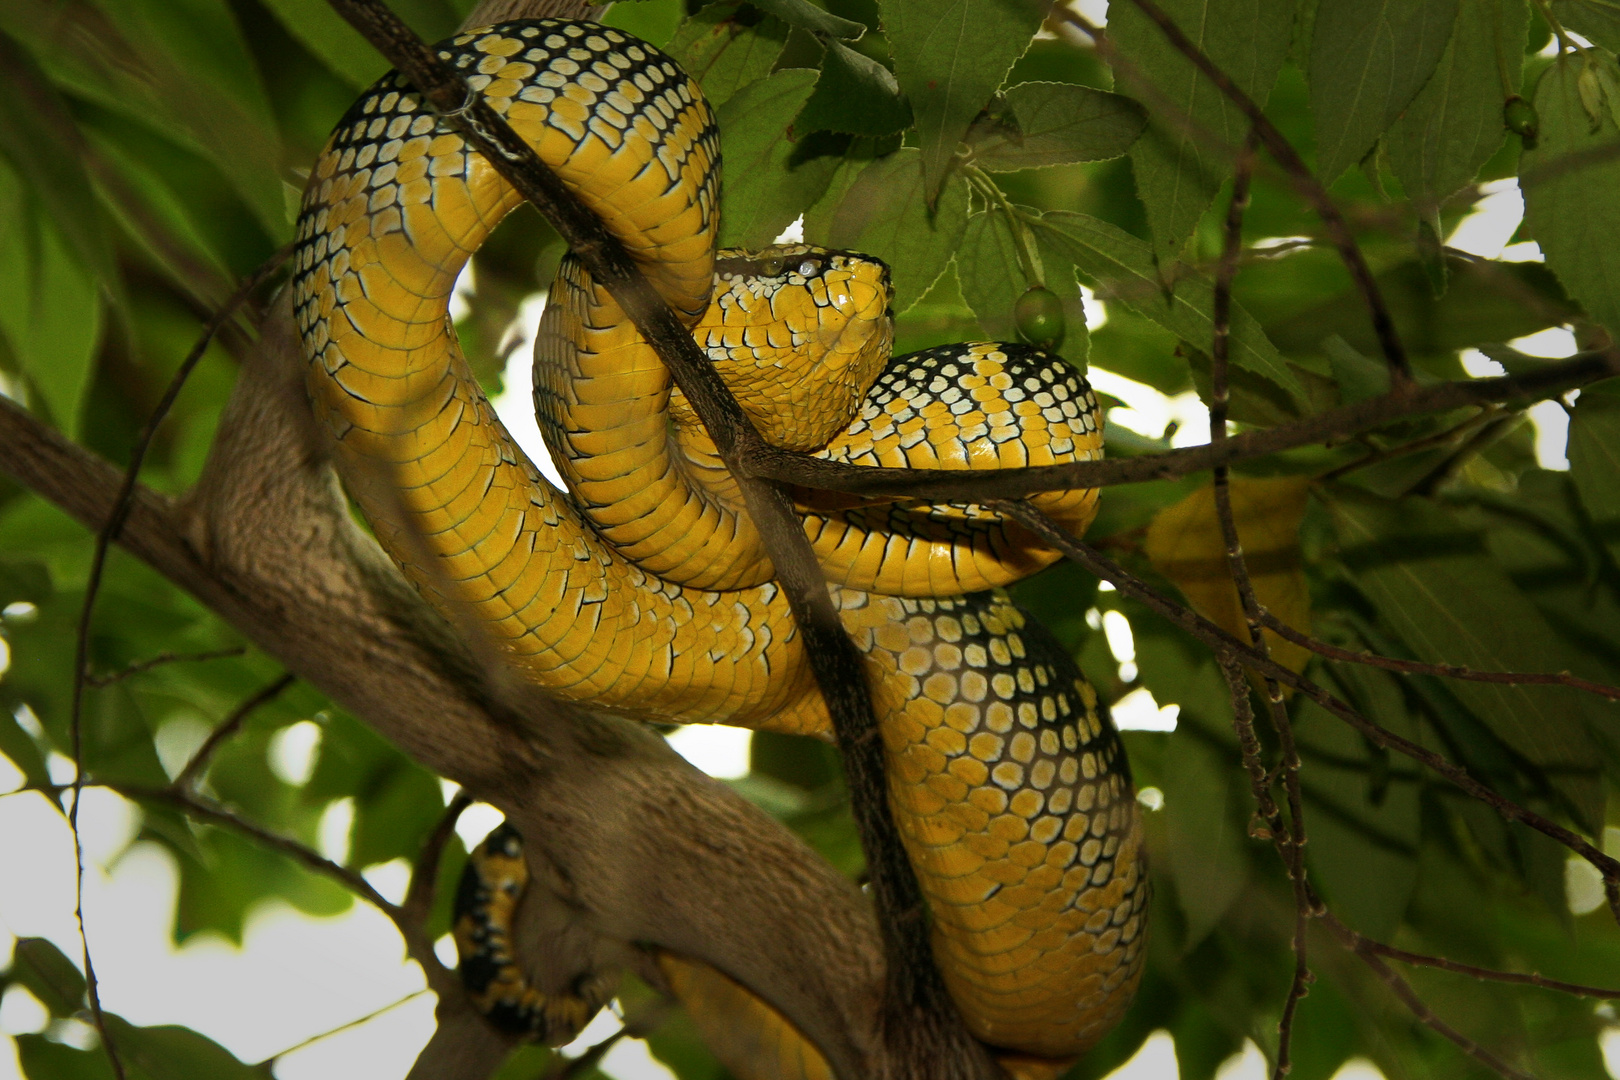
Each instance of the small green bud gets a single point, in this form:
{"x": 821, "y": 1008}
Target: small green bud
{"x": 1519, "y": 117}
{"x": 1039, "y": 318}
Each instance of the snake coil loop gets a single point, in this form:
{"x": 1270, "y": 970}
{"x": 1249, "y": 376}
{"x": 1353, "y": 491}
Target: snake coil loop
{"x": 644, "y": 589}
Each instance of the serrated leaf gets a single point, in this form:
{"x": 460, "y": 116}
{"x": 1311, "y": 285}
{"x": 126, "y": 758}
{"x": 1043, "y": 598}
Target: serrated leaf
{"x": 885, "y": 214}
{"x": 1184, "y": 543}
{"x": 726, "y": 46}
{"x": 766, "y": 186}
{"x": 1454, "y": 124}
{"x": 1046, "y": 123}
{"x": 1438, "y": 590}
{"x": 991, "y": 276}
{"x": 1177, "y": 171}
{"x": 855, "y": 95}
{"x": 1369, "y": 59}
{"x": 1123, "y": 268}
{"x": 1596, "y": 20}
{"x": 1569, "y": 178}
{"x": 806, "y": 16}
{"x": 949, "y": 58}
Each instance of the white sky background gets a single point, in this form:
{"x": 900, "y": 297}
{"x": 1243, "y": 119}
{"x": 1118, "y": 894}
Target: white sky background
{"x": 297, "y": 976}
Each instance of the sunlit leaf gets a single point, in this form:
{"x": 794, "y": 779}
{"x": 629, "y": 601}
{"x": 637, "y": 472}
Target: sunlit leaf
{"x": 884, "y": 213}
{"x": 767, "y": 184}
{"x": 727, "y": 46}
{"x": 950, "y": 57}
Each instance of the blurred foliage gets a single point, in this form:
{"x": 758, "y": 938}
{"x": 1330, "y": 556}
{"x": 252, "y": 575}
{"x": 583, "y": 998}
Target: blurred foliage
{"x": 152, "y": 151}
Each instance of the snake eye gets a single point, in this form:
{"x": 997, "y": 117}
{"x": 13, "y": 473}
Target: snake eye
{"x": 770, "y": 267}
{"x": 808, "y": 268}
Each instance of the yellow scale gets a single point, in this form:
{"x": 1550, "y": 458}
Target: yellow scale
{"x": 644, "y": 589}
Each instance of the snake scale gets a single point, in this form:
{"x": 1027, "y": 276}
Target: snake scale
{"x": 644, "y": 589}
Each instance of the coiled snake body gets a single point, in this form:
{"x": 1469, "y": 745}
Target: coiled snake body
{"x": 644, "y": 588}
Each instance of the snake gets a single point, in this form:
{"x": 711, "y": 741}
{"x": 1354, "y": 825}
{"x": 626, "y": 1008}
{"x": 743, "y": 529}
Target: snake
{"x": 642, "y": 587}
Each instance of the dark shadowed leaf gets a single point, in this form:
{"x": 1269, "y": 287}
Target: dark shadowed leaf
{"x": 1596, "y": 20}
{"x": 1206, "y": 803}
{"x": 1369, "y": 59}
{"x": 1594, "y": 458}
{"x": 1185, "y": 154}
{"x": 49, "y": 975}
{"x": 324, "y": 32}
{"x": 1576, "y": 160}
{"x": 1434, "y": 585}
{"x": 806, "y": 16}
{"x": 885, "y": 213}
{"x": 1041, "y": 124}
{"x": 992, "y": 277}
{"x": 950, "y": 56}
{"x": 855, "y": 95}
{"x": 1454, "y": 124}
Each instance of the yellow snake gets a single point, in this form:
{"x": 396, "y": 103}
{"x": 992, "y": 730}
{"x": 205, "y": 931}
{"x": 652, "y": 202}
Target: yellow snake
{"x": 644, "y": 589}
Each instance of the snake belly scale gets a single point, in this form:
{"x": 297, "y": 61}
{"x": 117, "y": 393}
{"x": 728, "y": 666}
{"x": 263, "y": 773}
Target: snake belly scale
{"x": 1007, "y": 780}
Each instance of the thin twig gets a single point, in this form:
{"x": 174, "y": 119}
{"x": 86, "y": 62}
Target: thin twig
{"x": 1362, "y": 942}
{"x": 99, "y": 681}
{"x": 1408, "y": 997}
{"x": 1305, "y": 181}
{"x": 1334, "y": 425}
{"x": 921, "y": 1022}
{"x": 1223, "y": 644}
{"x": 340, "y": 1029}
{"x": 424, "y": 885}
{"x": 1449, "y": 671}
{"x": 228, "y": 727}
{"x": 81, "y": 648}
{"x": 1291, "y": 841}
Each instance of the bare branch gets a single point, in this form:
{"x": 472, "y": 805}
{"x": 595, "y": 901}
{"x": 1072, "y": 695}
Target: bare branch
{"x": 227, "y": 728}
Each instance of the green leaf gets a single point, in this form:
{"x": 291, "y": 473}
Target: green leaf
{"x": 885, "y": 214}
{"x": 950, "y": 56}
{"x": 1206, "y": 803}
{"x": 38, "y": 137}
{"x": 1594, "y": 458}
{"x": 806, "y": 16}
{"x": 1569, "y": 178}
{"x": 49, "y": 975}
{"x": 42, "y": 1059}
{"x": 1124, "y": 270}
{"x": 1454, "y": 124}
{"x": 1045, "y": 123}
{"x": 1177, "y": 171}
{"x": 767, "y": 183}
{"x": 1437, "y": 589}
{"x": 855, "y": 95}
{"x": 328, "y": 35}
{"x": 991, "y": 276}
{"x": 1596, "y": 20}
{"x": 394, "y": 815}
{"x": 1369, "y": 59}
{"x": 726, "y": 46}
{"x": 50, "y": 306}
{"x": 171, "y": 1052}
